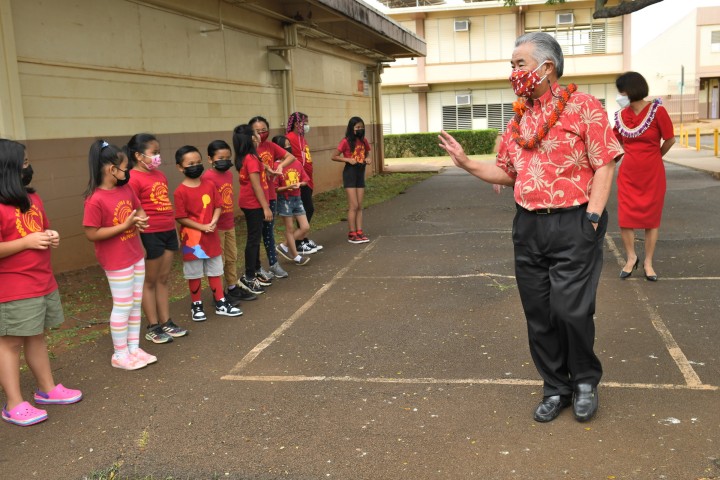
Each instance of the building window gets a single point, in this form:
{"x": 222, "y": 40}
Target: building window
{"x": 460, "y": 118}
{"x": 457, "y": 118}
{"x": 715, "y": 41}
{"x": 583, "y": 36}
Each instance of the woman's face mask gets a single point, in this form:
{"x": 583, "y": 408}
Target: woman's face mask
{"x": 622, "y": 100}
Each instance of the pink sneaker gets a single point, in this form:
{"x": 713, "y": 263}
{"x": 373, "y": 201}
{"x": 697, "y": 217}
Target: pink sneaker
{"x": 58, "y": 396}
{"x": 143, "y": 356}
{"x": 127, "y": 362}
{"x": 24, "y": 415}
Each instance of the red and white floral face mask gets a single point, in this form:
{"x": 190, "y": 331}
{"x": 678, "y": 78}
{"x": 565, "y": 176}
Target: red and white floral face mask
{"x": 524, "y": 82}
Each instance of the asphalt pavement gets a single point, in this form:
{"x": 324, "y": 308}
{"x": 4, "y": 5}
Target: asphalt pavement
{"x": 407, "y": 357}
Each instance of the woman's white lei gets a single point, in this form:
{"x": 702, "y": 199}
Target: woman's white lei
{"x": 644, "y": 125}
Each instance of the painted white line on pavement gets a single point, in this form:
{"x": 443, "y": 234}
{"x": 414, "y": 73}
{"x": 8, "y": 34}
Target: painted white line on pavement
{"x": 451, "y": 381}
{"x": 675, "y": 279}
{"x": 252, "y": 355}
{"x": 431, "y": 277}
{"x": 691, "y": 377}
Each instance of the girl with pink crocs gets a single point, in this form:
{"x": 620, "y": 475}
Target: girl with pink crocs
{"x": 29, "y": 299}
{"x": 113, "y": 219}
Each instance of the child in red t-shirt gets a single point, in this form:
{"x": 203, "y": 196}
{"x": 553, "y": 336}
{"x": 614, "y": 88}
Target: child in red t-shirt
{"x": 254, "y": 200}
{"x": 290, "y": 206}
{"x": 29, "y": 296}
{"x": 354, "y": 150}
{"x": 220, "y": 159}
{"x": 197, "y": 209}
{"x": 297, "y": 128}
{"x": 275, "y": 158}
{"x": 160, "y": 237}
{"x": 113, "y": 219}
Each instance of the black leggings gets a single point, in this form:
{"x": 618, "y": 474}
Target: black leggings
{"x": 306, "y": 195}
{"x": 254, "y": 221}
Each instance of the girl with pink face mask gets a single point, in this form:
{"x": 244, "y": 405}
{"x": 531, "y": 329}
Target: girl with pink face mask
{"x": 159, "y": 238}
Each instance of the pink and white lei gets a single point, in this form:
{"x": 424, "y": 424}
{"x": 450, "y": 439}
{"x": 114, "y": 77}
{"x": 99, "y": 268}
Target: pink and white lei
{"x": 644, "y": 125}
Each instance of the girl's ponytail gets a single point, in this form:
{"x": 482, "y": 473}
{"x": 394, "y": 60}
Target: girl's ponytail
{"x": 101, "y": 153}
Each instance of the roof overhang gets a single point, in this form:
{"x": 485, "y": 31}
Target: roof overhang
{"x": 349, "y": 24}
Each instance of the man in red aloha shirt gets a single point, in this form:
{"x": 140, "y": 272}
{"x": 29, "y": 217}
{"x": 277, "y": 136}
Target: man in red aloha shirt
{"x": 557, "y": 153}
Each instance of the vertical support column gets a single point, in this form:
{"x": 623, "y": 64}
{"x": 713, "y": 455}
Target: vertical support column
{"x": 379, "y": 156}
{"x": 421, "y": 78}
{"x": 12, "y": 118}
{"x": 627, "y": 43}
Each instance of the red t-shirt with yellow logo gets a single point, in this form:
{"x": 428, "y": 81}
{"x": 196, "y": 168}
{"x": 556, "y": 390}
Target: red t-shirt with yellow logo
{"x": 198, "y": 204}
{"x": 108, "y": 208}
{"x": 26, "y": 274}
{"x": 152, "y": 190}
{"x": 301, "y": 150}
{"x": 248, "y": 200}
{"x": 268, "y": 153}
{"x": 223, "y": 182}
{"x": 292, "y": 174}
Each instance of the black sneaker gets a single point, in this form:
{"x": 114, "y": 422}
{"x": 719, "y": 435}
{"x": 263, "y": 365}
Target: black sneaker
{"x": 251, "y": 285}
{"x": 314, "y": 245}
{"x": 262, "y": 278}
{"x": 198, "y": 314}
{"x": 305, "y": 249}
{"x": 223, "y": 307}
{"x": 156, "y": 334}
{"x": 173, "y": 330}
{"x": 237, "y": 294}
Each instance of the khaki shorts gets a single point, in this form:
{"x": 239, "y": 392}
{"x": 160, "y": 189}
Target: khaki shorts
{"x": 31, "y": 316}
{"x": 210, "y": 267}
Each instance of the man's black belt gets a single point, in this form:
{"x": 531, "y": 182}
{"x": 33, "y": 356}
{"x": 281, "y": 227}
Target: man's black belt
{"x": 550, "y": 211}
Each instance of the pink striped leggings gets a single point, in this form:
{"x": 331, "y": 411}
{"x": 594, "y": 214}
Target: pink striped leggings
{"x": 126, "y": 287}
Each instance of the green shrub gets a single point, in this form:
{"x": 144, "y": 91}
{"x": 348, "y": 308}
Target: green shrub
{"x": 475, "y": 142}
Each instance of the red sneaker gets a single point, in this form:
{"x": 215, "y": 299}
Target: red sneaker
{"x": 361, "y": 237}
{"x": 353, "y": 238}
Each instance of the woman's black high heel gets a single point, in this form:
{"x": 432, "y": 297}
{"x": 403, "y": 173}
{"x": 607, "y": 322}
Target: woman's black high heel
{"x": 624, "y": 274}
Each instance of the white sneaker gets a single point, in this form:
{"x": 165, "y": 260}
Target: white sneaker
{"x": 223, "y": 307}
{"x": 197, "y": 312}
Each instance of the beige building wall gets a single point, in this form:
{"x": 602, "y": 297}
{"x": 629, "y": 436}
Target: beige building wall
{"x": 73, "y": 71}
{"x": 661, "y": 59}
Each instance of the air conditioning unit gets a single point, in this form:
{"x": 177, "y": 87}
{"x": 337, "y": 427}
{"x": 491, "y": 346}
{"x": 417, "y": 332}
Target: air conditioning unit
{"x": 462, "y": 25}
{"x": 463, "y": 100}
{"x": 565, "y": 18}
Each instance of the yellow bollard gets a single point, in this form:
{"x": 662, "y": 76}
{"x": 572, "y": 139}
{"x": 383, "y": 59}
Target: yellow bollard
{"x": 697, "y": 139}
{"x": 687, "y": 138}
{"x": 682, "y": 136}
{"x": 715, "y": 138}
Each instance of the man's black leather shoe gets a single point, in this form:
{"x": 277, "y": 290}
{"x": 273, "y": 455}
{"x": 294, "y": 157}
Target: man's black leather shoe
{"x": 585, "y": 402}
{"x": 550, "y": 407}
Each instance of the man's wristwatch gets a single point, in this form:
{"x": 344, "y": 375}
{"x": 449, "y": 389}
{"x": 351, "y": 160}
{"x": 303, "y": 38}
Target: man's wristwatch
{"x": 593, "y": 217}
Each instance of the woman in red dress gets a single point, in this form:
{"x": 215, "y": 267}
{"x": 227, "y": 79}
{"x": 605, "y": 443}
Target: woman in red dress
{"x": 646, "y": 132}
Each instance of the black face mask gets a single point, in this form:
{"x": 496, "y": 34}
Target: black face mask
{"x": 289, "y": 150}
{"x": 222, "y": 165}
{"x": 360, "y": 133}
{"x": 27, "y": 174}
{"x": 124, "y": 181}
{"x": 194, "y": 171}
